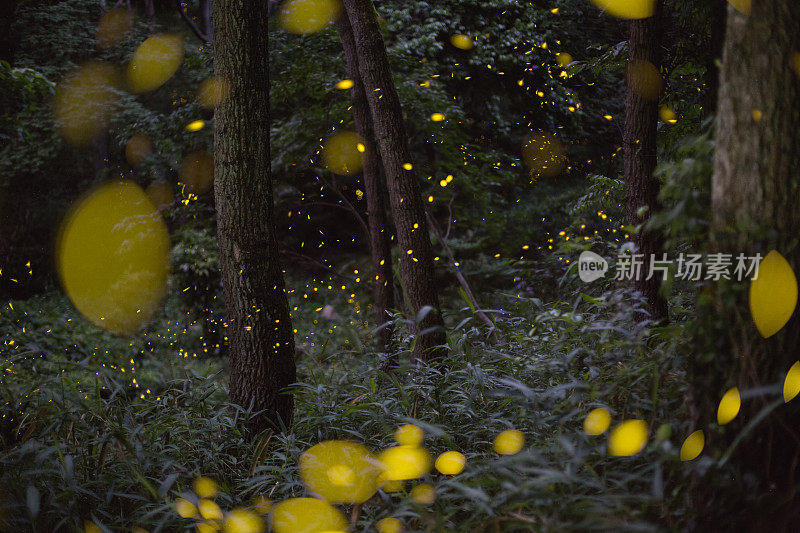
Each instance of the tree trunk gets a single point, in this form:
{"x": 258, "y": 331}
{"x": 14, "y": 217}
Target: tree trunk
{"x": 380, "y": 247}
{"x": 415, "y": 257}
{"x": 639, "y": 141}
{"x": 259, "y": 328}
{"x": 756, "y": 208}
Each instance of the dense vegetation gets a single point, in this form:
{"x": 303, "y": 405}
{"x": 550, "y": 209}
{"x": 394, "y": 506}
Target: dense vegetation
{"x": 102, "y": 431}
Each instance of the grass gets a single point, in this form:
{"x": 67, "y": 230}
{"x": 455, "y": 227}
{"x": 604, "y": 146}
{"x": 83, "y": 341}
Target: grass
{"x": 83, "y": 441}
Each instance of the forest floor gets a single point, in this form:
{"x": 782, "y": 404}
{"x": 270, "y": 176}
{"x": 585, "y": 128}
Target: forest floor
{"x": 112, "y": 430}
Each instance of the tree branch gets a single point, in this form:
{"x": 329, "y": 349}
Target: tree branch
{"x": 189, "y": 22}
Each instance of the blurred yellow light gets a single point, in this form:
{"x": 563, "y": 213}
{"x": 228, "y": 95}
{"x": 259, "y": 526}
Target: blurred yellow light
{"x": 160, "y": 195}
{"x": 667, "y": 115}
{"x": 197, "y": 172}
{"x": 113, "y": 257}
{"x": 154, "y": 62}
{"x": 185, "y": 508}
{"x": 84, "y": 100}
{"x": 509, "y": 442}
{"x": 213, "y": 91}
{"x": 409, "y": 435}
{"x": 437, "y": 117}
{"x": 462, "y": 41}
{"x": 644, "y": 79}
{"x": 137, "y": 149}
{"x": 361, "y": 148}
{"x": 205, "y": 487}
{"x": 405, "y": 462}
{"x": 307, "y": 515}
{"x": 773, "y": 294}
{"x": 627, "y": 9}
{"x": 340, "y": 153}
{"x": 345, "y": 84}
{"x": 196, "y": 125}
{"x": 791, "y": 385}
{"x": 729, "y": 406}
{"x": 423, "y": 494}
{"x": 390, "y": 525}
{"x": 242, "y": 521}
{"x": 628, "y": 438}
{"x": 113, "y": 27}
{"x": 308, "y": 16}
{"x": 742, "y": 6}
{"x": 563, "y": 59}
{"x": 597, "y": 421}
{"x": 340, "y": 471}
{"x": 209, "y": 510}
{"x": 408, "y": 166}
{"x": 693, "y": 445}
{"x": 450, "y": 463}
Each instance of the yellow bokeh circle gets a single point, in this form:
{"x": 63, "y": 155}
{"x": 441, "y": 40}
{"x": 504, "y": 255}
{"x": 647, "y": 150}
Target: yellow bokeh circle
{"x": 154, "y": 62}
{"x": 450, "y": 463}
{"x": 340, "y": 471}
{"x": 197, "y": 172}
{"x": 597, "y": 421}
{"x": 627, "y": 9}
{"x": 307, "y": 515}
{"x": 509, "y": 442}
{"x": 84, "y": 101}
{"x": 308, "y": 16}
{"x": 113, "y": 257}
{"x": 628, "y": 438}
{"x": 340, "y": 153}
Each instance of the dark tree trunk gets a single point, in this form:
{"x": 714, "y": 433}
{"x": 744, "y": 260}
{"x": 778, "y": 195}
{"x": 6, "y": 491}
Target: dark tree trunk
{"x": 639, "y": 141}
{"x": 719, "y": 13}
{"x": 380, "y": 247}
{"x": 415, "y": 257}
{"x": 259, "y": 328}
{"x": 756, "y": 208}
{"x": 9, "y": 10}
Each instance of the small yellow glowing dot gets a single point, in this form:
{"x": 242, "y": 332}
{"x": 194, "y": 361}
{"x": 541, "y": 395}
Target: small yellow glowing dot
{"x": 361, "y": 148}
{"x": 607, "y": 117}
{"x": 437, "y": 117}
{"x": 408, "y": 166}
{"x": 757, "y": 115}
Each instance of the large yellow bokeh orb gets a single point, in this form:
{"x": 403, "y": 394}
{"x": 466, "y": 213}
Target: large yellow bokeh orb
{"x": 340, "y": 471}
{"x": 154, "y": 62}
{"x": 308, "y": 16}
{"x": 113, "y": 257}
{"x": 84, "y": 101}
{"x": 341, "y": 154}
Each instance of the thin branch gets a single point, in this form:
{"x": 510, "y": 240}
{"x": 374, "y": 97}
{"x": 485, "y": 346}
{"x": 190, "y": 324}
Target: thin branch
{"x": 309, "y": 259}
{"x": 347, "y": 204}
{"x": 461, "y": 280}
{"x": 189, "y": 22}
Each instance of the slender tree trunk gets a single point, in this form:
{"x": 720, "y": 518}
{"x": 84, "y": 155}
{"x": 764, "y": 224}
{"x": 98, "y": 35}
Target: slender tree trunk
{"x": 415, "y": 257}
{"x": 639, "y": 141}
{"x": 383, "y": 292}
{"x": 756, "y": 208}
{"x": 259, "y": 327}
